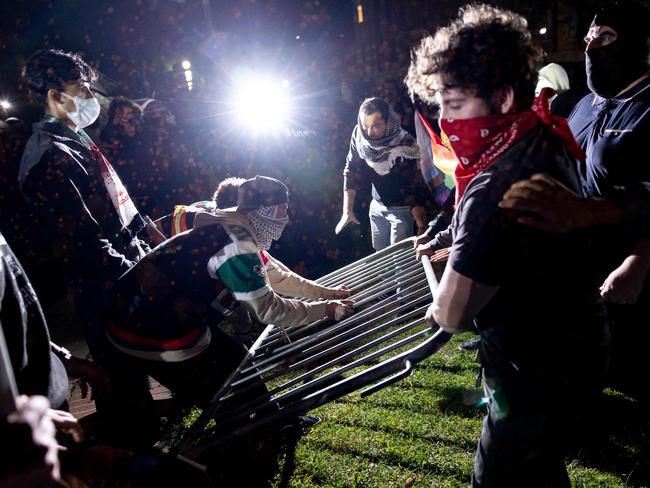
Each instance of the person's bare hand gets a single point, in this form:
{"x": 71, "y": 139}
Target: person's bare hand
{"x": 441, "y": 255}
{"x": 88, "y": 373}
{"x": 624, "y": 284}
{"x": 30, "y": 435}
{"x": 336, "y": 293}
{"x": 421, "y": 239}
{"x": 67, "y": 423}
{"x": 428, "y": 316}
{"x": 346, "y": 218}
{"x": 547, "y": 204}
{"x": 423, "y": 250}
{"x": 339, "y": 309}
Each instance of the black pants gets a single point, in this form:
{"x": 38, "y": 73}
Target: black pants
{"x": 630, "y": 339}
{"x": 522, "y": 449}
{"x": 534, "y": 419}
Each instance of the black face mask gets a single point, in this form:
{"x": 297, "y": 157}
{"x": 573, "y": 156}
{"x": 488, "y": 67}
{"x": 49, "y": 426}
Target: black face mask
{"x": 611, "y": 68}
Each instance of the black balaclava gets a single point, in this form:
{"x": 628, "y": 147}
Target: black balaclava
{"x": 611, "y": 68}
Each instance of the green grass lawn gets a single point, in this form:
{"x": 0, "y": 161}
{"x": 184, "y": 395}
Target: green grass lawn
{"x": 422, "y": 432}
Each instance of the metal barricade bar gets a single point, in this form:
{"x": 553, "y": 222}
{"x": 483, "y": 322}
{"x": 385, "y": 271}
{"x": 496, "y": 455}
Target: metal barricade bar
{"x": 373, "y": 348}
{"x": 363, "y": 297}
{"x": 363, "y": 314}
{"x": 298, "y": 361}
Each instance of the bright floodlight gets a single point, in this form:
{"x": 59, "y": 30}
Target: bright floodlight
{"x": 5, "y": 104}
{"x": 543, "y": 30}
{"x": 186, "y": 64}
{"x": 262, "y": 105}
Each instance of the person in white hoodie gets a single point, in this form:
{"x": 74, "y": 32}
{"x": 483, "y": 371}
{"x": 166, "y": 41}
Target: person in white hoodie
{"x": 552, "y": 76}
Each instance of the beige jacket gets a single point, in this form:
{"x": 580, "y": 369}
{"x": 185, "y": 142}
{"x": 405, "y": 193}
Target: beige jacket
{"x": 268, "y": 308}
{"x": 286, "y": 282}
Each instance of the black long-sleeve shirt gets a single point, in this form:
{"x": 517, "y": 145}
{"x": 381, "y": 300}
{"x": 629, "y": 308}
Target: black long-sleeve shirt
{"x": 76, "y": 242}
{"x": 403, "y": 185}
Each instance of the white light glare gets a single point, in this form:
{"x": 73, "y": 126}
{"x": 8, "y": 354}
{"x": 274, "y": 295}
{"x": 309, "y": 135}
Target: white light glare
{"x": 186, "y": 64}
{"x": 263, "y": 105}
{"x": 188, "y": 75}
{"x": 5, "y": 104}
{"x": 543, "y": 30}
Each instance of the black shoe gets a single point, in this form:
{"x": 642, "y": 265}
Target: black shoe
{"x": 470, "y": 345}
{"x": 308, "y": 422}
{"x": 300, "y": 426}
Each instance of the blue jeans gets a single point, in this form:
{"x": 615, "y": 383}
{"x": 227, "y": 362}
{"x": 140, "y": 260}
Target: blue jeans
{"x": 389, "y": 225}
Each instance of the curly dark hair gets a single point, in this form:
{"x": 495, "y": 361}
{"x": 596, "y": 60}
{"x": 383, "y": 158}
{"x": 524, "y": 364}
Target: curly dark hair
{"x": 485, "y": 49}
{"x": 227, "y": 192}
{"x": 53, "y": 69}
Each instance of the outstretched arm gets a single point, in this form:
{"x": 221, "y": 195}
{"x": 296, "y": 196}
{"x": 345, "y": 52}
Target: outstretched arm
{"x": 552, "y": 207}
{"x": 238, "y": 265}
{"x": 286, "y": 282}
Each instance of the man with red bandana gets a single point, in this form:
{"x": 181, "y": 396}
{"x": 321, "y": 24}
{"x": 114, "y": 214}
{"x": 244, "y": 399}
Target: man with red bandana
{"x": 512, "y": 283}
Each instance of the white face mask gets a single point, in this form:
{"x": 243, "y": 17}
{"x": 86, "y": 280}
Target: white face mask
{"x": 87, "y": 110}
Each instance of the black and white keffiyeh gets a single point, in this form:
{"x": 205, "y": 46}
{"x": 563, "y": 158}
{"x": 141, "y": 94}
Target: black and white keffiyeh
{"x": 381, "y": 154}
{"x": 267, "y": 229}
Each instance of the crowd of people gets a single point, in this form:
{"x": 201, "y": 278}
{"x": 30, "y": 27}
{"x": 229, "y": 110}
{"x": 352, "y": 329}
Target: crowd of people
{"x": 547, "y": 228}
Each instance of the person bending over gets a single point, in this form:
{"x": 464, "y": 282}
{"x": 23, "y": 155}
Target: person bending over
{"x": 167, "y": 308}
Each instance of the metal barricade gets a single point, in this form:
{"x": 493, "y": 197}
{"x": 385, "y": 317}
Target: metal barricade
{"x": 303, "y": 367}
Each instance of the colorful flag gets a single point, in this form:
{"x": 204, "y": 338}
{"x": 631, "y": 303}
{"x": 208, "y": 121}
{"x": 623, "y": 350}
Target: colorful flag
{"x": 437, "y": 162}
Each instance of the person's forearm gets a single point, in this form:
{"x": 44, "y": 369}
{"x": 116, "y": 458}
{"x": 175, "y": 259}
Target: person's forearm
{"x": 348, "y": 200}
{"x": 641, "y": 255}
{"x": 419, "y": 215}
{"x": 286, "y": 282}
{"x": 442, "y": 239}
{"x": 614, "y": 210}
{"x": 272, "y": 309}
{"x": 601, "y": 211}
{"x": 635, "y": 202}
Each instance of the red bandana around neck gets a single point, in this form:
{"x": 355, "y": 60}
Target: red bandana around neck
{"x": 480, "y": 141}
